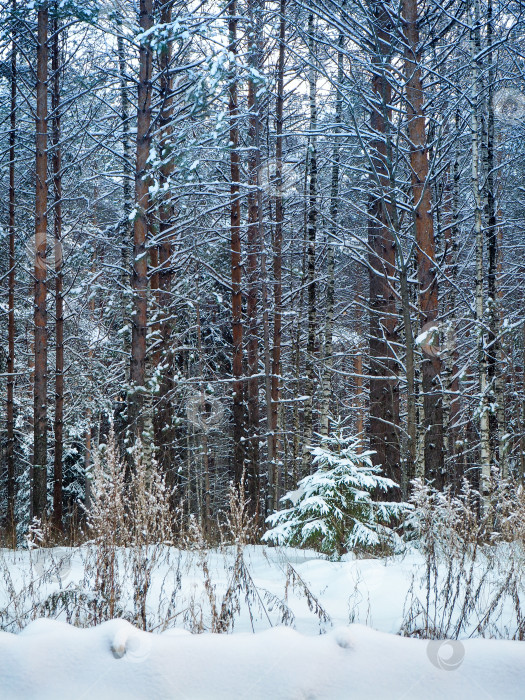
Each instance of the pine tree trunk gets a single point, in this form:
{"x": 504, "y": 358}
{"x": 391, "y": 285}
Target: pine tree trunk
{"x": 311, "y": 247}
{"x": 236, "y": 271}
{"x": 140, "y": 227}
{"x": 253, "y": 256}
{"x": 486, "y": 454}
{"x": 59, "y": 303}
{"x": 163, "y": 417}
{"x": 277, "y": 262}
{"x": 494, "y": 355}
{"x": 125, "y": 226}
{"x": 39, "y": 500}
{"x": 384, "y": 386}
{"x": 451, "y": 395}
{"x": 206, "y": 512}
{"x": 410, "y": 470}
{"x": 330, "y": 288}
{"x": 11, "y": 328}
{"x": 425, "y": 241}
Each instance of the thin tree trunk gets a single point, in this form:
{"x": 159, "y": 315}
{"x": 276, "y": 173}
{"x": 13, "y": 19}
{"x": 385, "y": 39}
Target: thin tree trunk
{"x": 253, "y": 255}
{"x": 236, "y": 271}
{"x": 425, "y": 240}
{"x": 270, "y": 476}
{"x": 502, "y": 375}
{"x": 277, "y": 262}
{"x": 486, "y": 455}
{"x": 91, "y": 353}
{"x": 59, "y": 282}
{"x": 163, "y": 419}
{"x": 140, "y": 228}
{"x": 334, "y": 211}
{"x": 125, "y": 227}
{"x": 296, "y": 432}
{"x": 494, "y": 355}
{"x": 360, "y": 419}
{"x": 156, "y": 349}
{"x": 267, "y": 350}
{"x": 204, "y": 439}
{"x": 451, "y": 394}
{"x": 11, "y": 329}
{"x": 311, "y": 241}
{"x": 384, "y": 386}
{"x": 414, "y": 467}
{"x": 358, "y": 371}
{"x": 122, "y": 417}
{"x": 39, "y": 500}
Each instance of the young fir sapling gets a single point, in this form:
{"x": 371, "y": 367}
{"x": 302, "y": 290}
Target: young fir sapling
{"x": 333, "y": 509}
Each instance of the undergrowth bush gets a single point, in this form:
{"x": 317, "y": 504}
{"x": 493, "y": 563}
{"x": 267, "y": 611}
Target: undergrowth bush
{"x": 132, "y": 567}
{"x": 473, "y": 552}
{"x": 335, "y": 509}
{"x": 138, "y": 564}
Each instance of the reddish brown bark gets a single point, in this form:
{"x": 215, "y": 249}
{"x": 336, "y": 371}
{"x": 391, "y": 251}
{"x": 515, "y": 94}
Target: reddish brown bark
{"x": 384, "y": 387}
{"x": 163, "y": 419}
{"x": 59, "y": 281}
{"x": 155, "y": 350}
{"x": 39, "y": 499}
{"x": 311, "y": 241}
{"x": 140, "y": 227}
{"x": 253, "y": 268}
{"x": 236, "y": 272}
{"x": 163, "y": 416}
{"x": 277, "y": 255}
{"x": 125, "y": 228}
{"x": 426, "y": 250}
{"x": 162, "y": 280}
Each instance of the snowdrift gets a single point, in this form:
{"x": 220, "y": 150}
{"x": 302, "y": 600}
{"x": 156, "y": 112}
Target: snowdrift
{"x": 51, "y": 659}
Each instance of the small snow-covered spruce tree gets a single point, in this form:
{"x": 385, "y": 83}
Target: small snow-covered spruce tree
{"x": 332, "y": 510}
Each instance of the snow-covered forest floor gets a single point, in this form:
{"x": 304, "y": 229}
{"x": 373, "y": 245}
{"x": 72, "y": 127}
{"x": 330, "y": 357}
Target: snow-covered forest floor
{"x": 116, "y": 661}
{"x": 272, "y": 586}
{"x": 244, "y": 589}
{"x": 151, "y": 603}
{"x": 253, "y": 588}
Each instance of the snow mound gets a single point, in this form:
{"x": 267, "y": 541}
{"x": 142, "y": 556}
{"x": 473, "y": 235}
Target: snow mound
{"x": 51, "y": 659}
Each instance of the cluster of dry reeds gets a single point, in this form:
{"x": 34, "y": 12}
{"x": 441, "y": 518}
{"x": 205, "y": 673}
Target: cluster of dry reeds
{"x": 473, "y": 554}
{"x": 130, "y": 564}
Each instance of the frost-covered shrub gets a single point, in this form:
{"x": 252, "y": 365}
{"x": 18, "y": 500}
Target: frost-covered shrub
{"x": 333, "y": 509}
{"x": 133, "y": 514}
{"x": 472, "y": 579}
{"x": 450, "y": 518}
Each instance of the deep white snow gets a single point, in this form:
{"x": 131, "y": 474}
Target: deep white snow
{"x": 51, "y": 659}
{"x": 323, "y": 657}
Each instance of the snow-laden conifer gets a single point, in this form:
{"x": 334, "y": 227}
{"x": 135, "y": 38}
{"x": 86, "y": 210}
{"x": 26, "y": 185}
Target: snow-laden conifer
{"x": 333, "y": 509}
